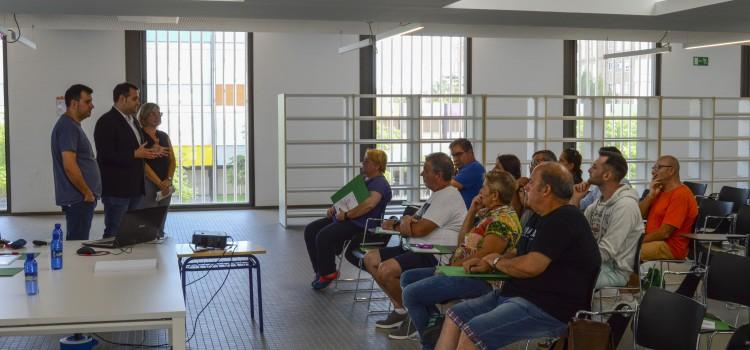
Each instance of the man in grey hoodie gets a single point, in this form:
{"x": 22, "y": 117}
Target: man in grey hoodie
{"x": 614, "y": 218}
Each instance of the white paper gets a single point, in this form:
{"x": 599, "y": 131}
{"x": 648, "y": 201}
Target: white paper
{"x": 346, "y": 203}
{"x": 424, "y": 250}
{"x": 160, "y": 196}
{"x": 382, "y": 231}
{"x": 7, "y": 259}
{"x": 708, "y": 325}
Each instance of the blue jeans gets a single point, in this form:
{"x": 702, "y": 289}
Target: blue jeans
{"x": 493, "y": 321}
{"x": 422, "y": 290}
{"x": 78, "y": 218}
{"x": 114, "y": 209}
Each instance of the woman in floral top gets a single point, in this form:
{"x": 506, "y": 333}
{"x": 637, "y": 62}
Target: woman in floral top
{"x": 491, "y": 226}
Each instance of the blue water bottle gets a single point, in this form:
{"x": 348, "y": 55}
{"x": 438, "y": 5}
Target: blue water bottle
{"x": 56, "y": 248}
{"x": 31, "y": 269}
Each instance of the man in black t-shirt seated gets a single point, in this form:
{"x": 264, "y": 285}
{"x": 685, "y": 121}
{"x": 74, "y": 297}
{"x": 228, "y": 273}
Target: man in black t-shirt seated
{"x": 553, "y": 272}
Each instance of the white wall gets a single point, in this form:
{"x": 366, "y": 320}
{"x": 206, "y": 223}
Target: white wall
{"x": 292, "y": 63}
{"x": 35, "y": 78}
{"x": 721, "y": 78}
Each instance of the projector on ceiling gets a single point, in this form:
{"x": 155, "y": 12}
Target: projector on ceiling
{"x": 11, "y": 36}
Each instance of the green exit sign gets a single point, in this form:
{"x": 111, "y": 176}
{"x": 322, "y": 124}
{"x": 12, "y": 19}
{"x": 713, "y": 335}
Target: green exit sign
{"x": 700, "y": 61}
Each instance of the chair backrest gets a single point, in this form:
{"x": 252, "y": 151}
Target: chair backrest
{"x": 738, "y": 196}
{"x": 727, "y": 278}
{"x": 697, "y": 188}
{"x": 668, "y": 321}
{"x": 709, "y": 207}
{"x": 742, "y": 221}
{"x": 637, "y": 258}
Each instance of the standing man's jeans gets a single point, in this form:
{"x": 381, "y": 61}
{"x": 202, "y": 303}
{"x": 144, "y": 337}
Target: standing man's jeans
{"x": 114, "y": 209}
{"x": 422, "y": 289}
{"x": 78, "y": 218}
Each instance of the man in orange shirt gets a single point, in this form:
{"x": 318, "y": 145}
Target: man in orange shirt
{"x": 670, "y": 211}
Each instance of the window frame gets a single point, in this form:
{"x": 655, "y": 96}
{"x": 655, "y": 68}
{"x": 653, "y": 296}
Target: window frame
{"x": 249, "y": 134}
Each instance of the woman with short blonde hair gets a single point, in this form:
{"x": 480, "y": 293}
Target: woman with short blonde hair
{"x": 325, "y": 237}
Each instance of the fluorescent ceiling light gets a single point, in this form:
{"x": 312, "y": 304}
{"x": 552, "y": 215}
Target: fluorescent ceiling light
{"x": 613, "y": 7}
{"x": 401, "y": 30}
{"x": 653, "y": 51}
{"x": 149, "y": 19}
{"x": 355, "y": 46}
{"x": 10, "y": 35}
{"x": 700, "y": 46}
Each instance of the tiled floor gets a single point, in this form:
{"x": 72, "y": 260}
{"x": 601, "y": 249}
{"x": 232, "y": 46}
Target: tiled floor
{"x": 296, "y": 317}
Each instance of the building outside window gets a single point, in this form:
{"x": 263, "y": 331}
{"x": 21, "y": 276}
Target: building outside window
{"x": 199, "y": 79}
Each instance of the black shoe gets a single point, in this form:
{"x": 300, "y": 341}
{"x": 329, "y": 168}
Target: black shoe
{"x": 432, "y": 331}
{"x": 393, "y": 320}
{"x": 405, "y": 331}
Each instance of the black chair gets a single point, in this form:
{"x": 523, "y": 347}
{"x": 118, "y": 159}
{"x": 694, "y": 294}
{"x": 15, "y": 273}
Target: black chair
{"x": 742, "y": 225}
{"x": 712, "y": 215}
{"x": 738, "y": 196}
{"x": 723, "y": 283}
{"x": 697, "y": 188}
{"x": 664, "y": 320}
{"x": 668, "y": 321}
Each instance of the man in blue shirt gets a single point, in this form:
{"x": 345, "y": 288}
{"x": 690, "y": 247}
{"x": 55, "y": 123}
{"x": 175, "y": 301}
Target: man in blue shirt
{"x": 470, "y": 173}
{"x": 76, "y": 173}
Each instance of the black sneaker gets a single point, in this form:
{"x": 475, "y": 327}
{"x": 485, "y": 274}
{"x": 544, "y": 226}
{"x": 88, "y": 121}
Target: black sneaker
{"x": 405, "y": 331}
{"x": 393, "y": 320}
{"x": 432, "y": 331}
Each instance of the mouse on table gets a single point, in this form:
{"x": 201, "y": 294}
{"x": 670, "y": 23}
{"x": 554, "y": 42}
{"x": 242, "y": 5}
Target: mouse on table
{"x": 86, "y": 251}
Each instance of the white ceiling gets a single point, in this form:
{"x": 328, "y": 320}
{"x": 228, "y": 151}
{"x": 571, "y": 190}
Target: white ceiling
{"x": 724, "y": 19}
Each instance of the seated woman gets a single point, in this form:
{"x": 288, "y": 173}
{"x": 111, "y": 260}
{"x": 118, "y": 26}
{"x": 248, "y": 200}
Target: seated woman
{"x": 572, "y": 160}
{"x": 325, "y": 237}
{"x": 491, "y": 226}
{"x": 511, "y": 164}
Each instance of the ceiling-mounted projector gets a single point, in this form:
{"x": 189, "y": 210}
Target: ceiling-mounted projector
{"x": 12, "y": 36}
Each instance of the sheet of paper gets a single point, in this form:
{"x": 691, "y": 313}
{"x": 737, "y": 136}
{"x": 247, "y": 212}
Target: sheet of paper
{"x": 160, "y": 196}
{"x": 381, "y": 231}
{"x": 8, "y": 259}
{"x": 346, "y": 203}
{"x": 708, "y": 325}
{"x": 424, "y": 250}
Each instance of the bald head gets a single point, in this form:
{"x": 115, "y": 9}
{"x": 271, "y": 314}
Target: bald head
{"x": 557, "y": 177}
{"x": 671, "y": 161}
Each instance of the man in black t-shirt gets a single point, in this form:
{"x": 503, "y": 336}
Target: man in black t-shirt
{"x": 553, "y": 272}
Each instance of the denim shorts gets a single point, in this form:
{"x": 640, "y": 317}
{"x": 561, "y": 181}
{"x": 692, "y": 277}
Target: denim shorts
{"x": 493, "y": 321}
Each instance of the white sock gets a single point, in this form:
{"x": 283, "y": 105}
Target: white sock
{"x": 400, "y": 311}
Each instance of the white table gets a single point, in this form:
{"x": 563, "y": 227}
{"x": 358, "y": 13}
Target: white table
{"x": 77, "y": 300}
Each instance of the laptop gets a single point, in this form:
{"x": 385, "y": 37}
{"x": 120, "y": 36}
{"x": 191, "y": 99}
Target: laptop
{"x": 137, "y": 226}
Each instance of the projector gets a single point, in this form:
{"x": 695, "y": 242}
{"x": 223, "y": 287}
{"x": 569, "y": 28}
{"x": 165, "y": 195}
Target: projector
{"x": 216, "y": 240}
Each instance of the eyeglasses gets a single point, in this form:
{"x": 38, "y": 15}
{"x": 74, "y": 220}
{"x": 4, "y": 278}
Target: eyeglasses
{"x": 658, "y": 166}
{"x": 457, "y": 154}
{"x": 159, "y": 113}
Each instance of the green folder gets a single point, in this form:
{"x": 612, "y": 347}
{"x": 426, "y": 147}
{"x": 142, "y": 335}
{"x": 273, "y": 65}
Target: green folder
{"x": 458, "y": 271}
{"x": 357, "y": 186}
{"x": 10, "y": 271}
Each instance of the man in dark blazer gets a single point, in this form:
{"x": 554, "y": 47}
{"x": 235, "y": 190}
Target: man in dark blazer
{"x": 121, "y": 150}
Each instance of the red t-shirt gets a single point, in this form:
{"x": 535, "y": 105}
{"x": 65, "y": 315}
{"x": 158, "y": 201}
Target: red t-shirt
{"x": 676, "y": 208}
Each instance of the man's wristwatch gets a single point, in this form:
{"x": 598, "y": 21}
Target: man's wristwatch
{"x": 494, "y": 263}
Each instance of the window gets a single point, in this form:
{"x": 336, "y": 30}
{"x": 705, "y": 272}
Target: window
{"x": 199, "y": 79}
{"x": 3, "y": 116}
{"x": 419, "y": 65}
{"x": 626, "y": 77}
